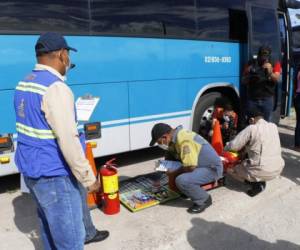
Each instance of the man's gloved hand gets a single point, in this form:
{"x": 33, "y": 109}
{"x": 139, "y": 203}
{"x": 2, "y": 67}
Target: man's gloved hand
{"x": 94, "y": 187}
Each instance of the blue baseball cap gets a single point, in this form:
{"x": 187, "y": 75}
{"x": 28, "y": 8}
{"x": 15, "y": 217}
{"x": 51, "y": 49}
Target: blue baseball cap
{"x": 51, "y": 41}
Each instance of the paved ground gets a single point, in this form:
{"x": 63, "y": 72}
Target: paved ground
{"x": 235, "y": 221}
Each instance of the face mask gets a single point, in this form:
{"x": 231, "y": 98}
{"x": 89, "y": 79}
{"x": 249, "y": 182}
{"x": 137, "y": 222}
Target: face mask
{"x": 69, "y": 66}
{"x": 163, "y": 146}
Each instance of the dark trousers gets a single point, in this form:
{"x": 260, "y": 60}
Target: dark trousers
{"x": 297, "y": 129}
{"x": 265, "y": 105}
{"x": 189, "y": 183}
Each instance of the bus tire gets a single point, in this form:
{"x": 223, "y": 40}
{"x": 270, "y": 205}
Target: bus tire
{"x": 203, "y": 113}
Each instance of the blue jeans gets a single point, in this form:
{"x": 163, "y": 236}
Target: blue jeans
{"x": 59, "y": 208}
{"x": 189, "y": 183}
{"x": 265, "y": 105}
{"x": 297, "y": 129}
{"x": 90, "y": 230}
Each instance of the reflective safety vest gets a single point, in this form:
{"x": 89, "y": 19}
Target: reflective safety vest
{"x": 193, "y": 150}
{"x": 37, "y": 153}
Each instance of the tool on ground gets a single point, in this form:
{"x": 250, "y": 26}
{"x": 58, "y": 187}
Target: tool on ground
{"x": 145, "y": 191}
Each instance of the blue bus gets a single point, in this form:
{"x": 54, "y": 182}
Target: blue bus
{"x": 149, "y": 61}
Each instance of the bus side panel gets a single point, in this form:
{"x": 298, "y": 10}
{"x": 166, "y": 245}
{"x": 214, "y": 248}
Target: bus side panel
{"x": 10, "y": 167}
{"x": 158, "y": 72}
{"x": 200, "y": 85}
{"x": 17, "y": 58}
{"x": 139, "y": 80}
{"x": 136, "y": 61}
{"x": 156, "y": 101}
{"x": 189, "y": 66}
{"x": 198, "y": 59}
{"x": 116, "y": 59}
{"x": 7, "y": 125}
{"x": 112, "y": 112}
{"x": 8, "y": 119}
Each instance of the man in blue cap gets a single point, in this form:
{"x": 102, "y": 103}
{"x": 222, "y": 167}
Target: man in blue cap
{"x": 49, "y": 153}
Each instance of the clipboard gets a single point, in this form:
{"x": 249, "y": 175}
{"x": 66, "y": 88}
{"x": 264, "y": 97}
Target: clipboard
{"x": 85, "y": 107}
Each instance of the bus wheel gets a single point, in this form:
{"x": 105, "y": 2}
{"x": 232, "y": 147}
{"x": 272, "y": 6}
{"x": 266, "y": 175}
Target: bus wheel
{"x": 203, "y": 113}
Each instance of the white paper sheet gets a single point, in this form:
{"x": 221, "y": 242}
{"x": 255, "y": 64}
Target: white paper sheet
{"x": 164, "y": 165}
{"x": 85, "y": 107}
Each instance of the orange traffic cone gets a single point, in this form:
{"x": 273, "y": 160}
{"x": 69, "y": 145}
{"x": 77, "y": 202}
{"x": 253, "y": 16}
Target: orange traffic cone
{"x": 90, "y": 157}
{"x": 93, "y": 199}
{"x": 216, "y": 140}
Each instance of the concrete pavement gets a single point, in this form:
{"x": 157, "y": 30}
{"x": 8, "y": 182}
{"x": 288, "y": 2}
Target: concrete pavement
{"x": 235, "y": 221}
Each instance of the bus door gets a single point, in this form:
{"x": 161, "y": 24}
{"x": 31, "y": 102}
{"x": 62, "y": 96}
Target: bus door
{"x": 285, "y": 63}
{"x": 263, "y": 31}
{"x": 293, "y": 14}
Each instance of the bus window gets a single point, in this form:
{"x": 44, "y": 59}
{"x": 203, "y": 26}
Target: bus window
{"x": 238, "y": 28}
{"x": 144, "y": 18}
{"x": 285, "y": 63}
{"x": 179, "y": 18}
{"x": 264, "y": 30}
{"x": 212, "y": 21}
{"x": 32, "y": 16}
{"x": 125, "y": 17}
{"x": 296, "y": 37}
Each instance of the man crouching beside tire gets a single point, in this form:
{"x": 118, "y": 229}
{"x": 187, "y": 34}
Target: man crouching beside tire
{"x": 261, "y": 143}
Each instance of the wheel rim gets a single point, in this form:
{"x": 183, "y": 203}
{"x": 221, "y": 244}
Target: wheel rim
{"x": 206, "y": 121}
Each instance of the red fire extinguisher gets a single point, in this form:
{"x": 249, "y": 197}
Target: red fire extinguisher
{"x": 110, "y": 188}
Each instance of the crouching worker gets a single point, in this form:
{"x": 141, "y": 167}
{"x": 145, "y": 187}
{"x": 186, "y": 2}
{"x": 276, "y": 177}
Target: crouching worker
{"x": 200, "y": 162}
{"x": 260, "y": 141}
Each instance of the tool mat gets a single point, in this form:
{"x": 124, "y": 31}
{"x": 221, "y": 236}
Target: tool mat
{"x": 146, "y": 191}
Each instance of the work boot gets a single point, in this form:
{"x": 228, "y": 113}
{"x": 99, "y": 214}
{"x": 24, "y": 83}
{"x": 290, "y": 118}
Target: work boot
{"x": 256, "y": 188}
{"x": 195, "y": 209}
{"x": 100, "y": 235}
{"x": 247, "y": 182}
